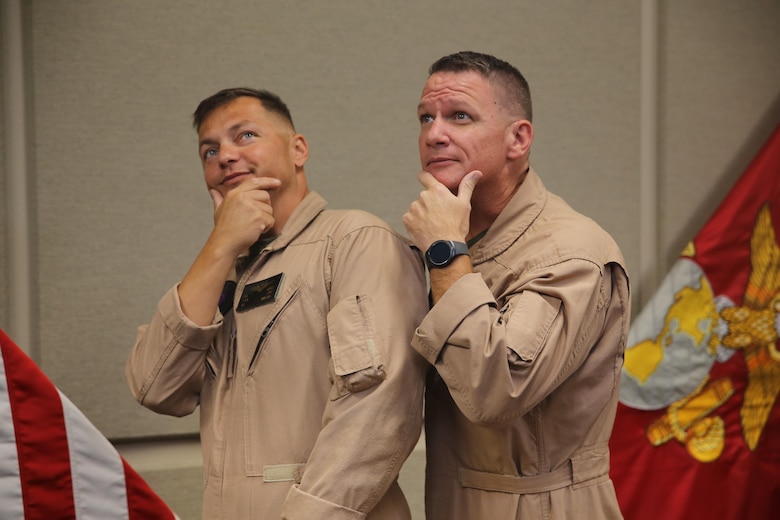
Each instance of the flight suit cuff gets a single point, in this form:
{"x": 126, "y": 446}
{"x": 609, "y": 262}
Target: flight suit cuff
{"x": 300, "y": 505}
{"x": 185, "y": 331}
{"x": 460, "y": 300}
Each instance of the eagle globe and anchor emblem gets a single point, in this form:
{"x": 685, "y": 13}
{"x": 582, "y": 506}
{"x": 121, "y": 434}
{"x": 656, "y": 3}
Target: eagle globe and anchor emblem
{"x": 670, "y": 368}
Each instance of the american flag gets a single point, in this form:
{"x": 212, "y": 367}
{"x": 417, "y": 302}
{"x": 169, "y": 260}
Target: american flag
{"x": 54, "y": 464}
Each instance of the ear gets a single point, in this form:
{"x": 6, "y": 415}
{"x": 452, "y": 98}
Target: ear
{"x": 300, "y": 149}
{"x": 520, "y": 136}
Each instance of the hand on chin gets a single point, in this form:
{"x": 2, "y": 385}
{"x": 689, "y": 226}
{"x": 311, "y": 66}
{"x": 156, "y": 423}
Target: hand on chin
{"x": 449, "y": 175}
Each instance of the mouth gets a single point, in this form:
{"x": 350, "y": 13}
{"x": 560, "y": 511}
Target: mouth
{"x": 235, "y": 178}
{"x": 438, "y": 162}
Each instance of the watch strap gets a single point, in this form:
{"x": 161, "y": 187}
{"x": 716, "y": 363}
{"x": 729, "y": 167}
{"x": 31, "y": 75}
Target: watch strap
{"x": 460, "y": 249}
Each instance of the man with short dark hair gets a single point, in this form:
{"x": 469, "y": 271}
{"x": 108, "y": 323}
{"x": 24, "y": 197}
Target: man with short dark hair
{"x": 291, "y": 333}
{"x": 530, "y": 312}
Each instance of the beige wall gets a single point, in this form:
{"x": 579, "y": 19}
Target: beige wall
{"x": 3, "y": 175}
{"x": 118, "y": 209}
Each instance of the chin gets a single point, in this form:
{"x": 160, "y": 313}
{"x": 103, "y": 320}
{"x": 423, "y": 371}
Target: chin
{"x": 450, "y": 179}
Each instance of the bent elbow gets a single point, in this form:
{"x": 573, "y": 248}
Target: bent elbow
{"x": 176, "y": 403}
{"x": 171, "y": 405}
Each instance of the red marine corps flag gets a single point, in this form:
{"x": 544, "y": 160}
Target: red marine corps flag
{"x": 697, "y": 433}
{"x": 54, "y": 464}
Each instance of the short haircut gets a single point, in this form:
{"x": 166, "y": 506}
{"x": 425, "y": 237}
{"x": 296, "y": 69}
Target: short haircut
{"x": 270, "y": 101}
{"x": 495, "y": 70}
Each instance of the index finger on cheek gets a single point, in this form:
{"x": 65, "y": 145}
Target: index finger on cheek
{"x": 266, "y": 183}
{"x": 426, "y": 178}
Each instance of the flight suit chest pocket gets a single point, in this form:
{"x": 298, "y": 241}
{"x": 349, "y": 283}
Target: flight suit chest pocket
{"x": 357, "y": 362}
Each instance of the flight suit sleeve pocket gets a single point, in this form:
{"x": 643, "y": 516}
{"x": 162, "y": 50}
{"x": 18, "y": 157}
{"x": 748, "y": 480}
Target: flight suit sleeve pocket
{"x": 528, "y": 326}
{"x": 356, "y": 363}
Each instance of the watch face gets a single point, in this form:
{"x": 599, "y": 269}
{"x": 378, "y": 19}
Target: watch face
{"x": 440, "y": 253}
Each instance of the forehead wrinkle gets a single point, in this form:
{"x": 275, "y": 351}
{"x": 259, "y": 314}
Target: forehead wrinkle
{"x": 457, "y": 88}
{"x": 446, "y": 98}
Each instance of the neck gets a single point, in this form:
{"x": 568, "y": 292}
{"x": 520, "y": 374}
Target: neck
{"x": 285, "y": 201}
{"x": 487, "y": 204}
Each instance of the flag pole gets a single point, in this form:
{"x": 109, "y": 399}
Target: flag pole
{"x": 19, "y": 302}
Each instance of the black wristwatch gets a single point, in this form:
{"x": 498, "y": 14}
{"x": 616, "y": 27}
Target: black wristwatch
{"x": 443, "y": 252}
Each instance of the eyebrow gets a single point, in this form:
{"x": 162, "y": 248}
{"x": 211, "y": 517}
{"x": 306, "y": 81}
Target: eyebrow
{"x": 459, "y": 105}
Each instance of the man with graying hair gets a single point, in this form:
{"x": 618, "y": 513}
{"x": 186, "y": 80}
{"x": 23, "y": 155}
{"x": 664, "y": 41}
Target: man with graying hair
{"x": 529, "y": 317}
{"x": 291, "y": 333}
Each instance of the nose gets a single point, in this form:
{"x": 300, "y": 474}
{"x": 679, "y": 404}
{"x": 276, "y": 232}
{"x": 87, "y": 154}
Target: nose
{"x": 435, "y": 133}
{"x": 228, "y": 154}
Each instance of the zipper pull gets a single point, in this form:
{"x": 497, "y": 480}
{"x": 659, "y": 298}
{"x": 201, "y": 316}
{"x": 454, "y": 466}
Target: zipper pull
{"x": 259, "y": 346}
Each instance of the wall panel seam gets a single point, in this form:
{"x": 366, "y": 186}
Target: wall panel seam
{"x": 648, "y": 153}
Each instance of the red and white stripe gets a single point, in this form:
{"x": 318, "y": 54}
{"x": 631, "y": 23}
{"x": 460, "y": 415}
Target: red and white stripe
{"x": 54, "y": 464}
